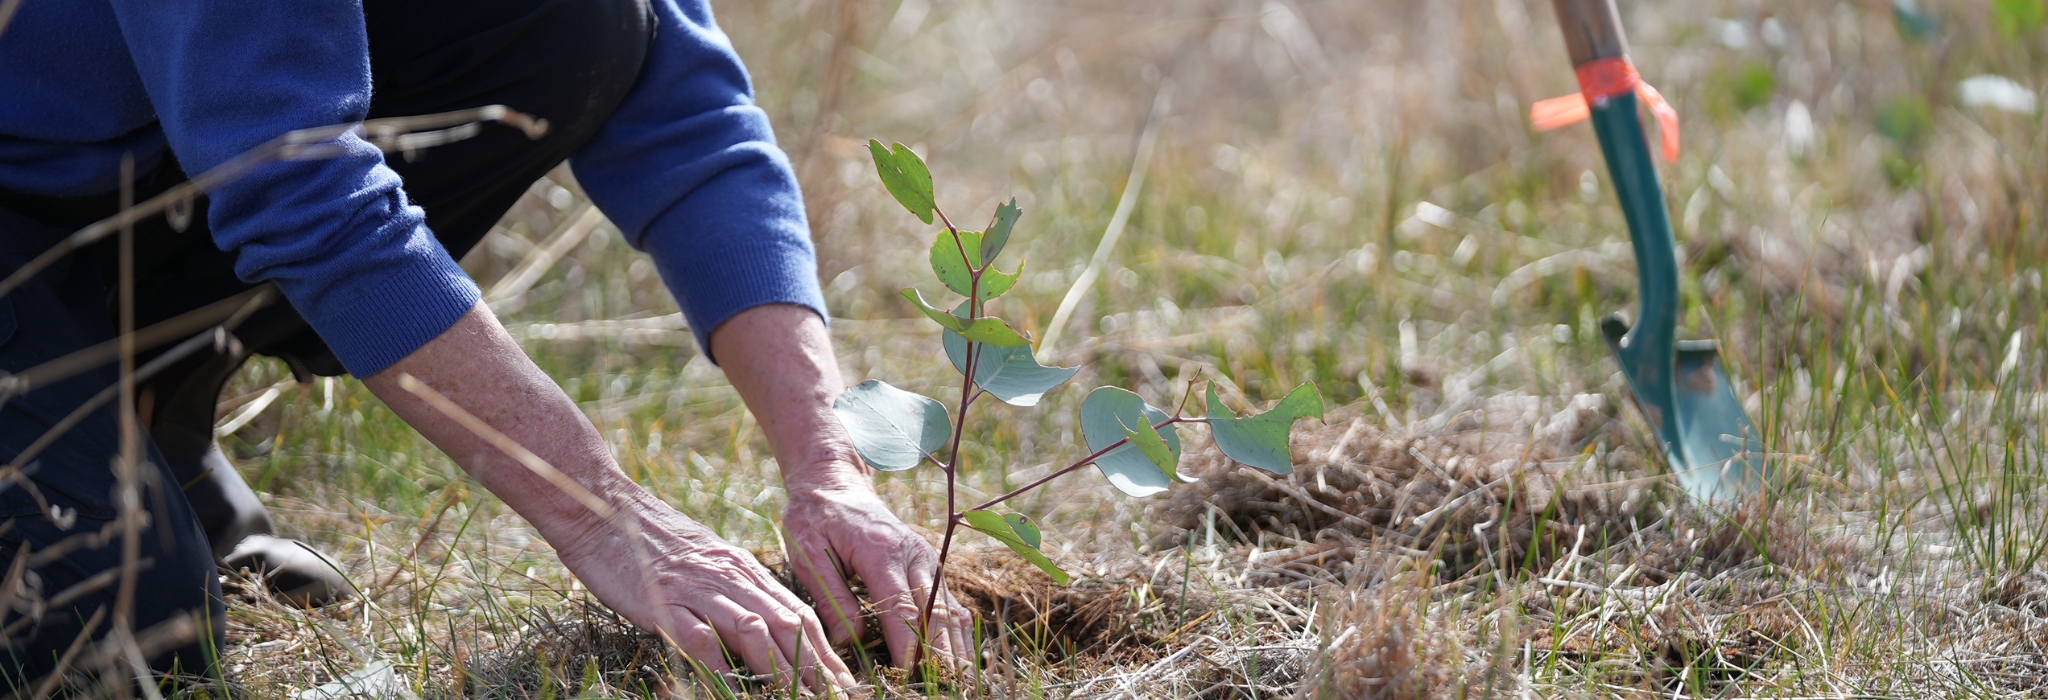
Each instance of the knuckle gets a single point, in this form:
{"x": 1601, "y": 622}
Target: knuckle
{"x": 700, "y": 635}
{"x": 904, "y": 606}
{"x": 750, "y": 623}
{"x": 761, "y": 573}
{"x": 910, "y": 541}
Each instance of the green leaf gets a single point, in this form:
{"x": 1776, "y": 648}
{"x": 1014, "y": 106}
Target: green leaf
{"x": 591, "y": 680}
{"x": 1753, "y": 86}
{"x": 1025, "y": 544}
{"x": 995, "y": 283}
{"x": 1152, "y": 446}
{"x": 986, "y": 329}
{"x": 1025, "y": 529}
{"x": 892, "y": 429}
{"x": 949, "y": 262}
{"x": 906, "y": 177}
{"x": 1104, "y": 415}
{"x": 1260, "y": 440}
{"x": 999, "y": 231}
{"x": 1010, "y": 374}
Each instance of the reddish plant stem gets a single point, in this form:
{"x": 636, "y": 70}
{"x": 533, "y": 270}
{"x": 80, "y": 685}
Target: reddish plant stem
{"x": 1084, "y": 461}
{"x": 1185, "y": 396}
{"x": 952, "y": 467}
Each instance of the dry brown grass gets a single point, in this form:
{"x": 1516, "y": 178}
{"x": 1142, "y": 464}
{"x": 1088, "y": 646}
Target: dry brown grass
{"x": 1469, "y": 494}
{"x": 1387, "y": 646}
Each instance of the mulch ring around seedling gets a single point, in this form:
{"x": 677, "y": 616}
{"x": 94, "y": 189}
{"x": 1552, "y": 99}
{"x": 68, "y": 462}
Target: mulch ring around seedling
{"x": 1110, "y": 612}
{"x": 1497, "y": 491}
{"x": 1107, "y": 611}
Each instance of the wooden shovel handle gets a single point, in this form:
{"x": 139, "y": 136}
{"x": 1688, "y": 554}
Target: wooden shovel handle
{"x": 1592, "y": 29}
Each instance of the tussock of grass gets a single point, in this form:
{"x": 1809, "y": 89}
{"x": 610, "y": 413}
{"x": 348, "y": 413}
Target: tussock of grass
{"x": 1469, "y": 494}
{"x": 584, "y": 650}
{"x": 1097, "y": 617}
{"x": 1385, "y": 646}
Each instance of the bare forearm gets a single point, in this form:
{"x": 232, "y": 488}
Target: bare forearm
{"x": 779, "y": 358}
{"x": 476, "y": 365}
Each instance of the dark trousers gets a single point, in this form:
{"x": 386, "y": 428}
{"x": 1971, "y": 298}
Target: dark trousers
{"x": 568, "y": 61}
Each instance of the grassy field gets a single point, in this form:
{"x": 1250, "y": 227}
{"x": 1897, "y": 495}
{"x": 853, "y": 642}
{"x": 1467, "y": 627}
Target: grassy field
{"x": 1345, "y": 193}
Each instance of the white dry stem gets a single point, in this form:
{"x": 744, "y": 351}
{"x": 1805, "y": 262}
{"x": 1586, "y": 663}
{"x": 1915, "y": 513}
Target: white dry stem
{"x": 254, "y": 408}
{"x": 1133, "y": 184}
{"x": 667, "y": 329}
{"x": 505, "y": 295}
{"x": 1607, "y": 256}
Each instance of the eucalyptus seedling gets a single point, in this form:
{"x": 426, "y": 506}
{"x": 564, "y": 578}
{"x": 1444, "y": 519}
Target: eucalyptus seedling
{"x": 1134, "y": 444}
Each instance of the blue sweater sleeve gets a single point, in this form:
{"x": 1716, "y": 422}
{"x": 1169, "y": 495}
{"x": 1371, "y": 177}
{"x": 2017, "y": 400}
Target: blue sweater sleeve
{"x": 688, "y": 169}
{"x": 337, "y": 235}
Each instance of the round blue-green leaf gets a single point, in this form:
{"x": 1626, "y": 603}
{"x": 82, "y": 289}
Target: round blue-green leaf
{"x": 1010, "y": 374}
{"x": 1104, "y": 415}
{"x": 1149, "y": 443}
{"x": 892, "y": 429}
{"x": 1260, "y": 440}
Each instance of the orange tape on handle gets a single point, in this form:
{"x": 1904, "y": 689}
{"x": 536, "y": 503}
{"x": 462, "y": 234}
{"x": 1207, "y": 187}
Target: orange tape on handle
{"x": 1667, "y": 118}
{"x": 1558, "y": 112}
{"x": 1600, "y": 79}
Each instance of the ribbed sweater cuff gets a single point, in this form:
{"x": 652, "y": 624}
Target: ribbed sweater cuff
{"x": 712, "y": 286}
{"x": 375, "y": 317}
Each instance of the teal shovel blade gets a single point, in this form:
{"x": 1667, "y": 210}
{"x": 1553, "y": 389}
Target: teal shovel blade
{"x": 1713, "y": 449}
{"x": 1683, "y": 392}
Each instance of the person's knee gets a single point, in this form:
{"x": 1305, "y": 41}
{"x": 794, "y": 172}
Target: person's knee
{"x": 59, "y": 520}
{"x": 592, "y": 52}
{"x": 173, "y": 593}
{"x": 570, "y": 62}
{"x": 567, "y": 61}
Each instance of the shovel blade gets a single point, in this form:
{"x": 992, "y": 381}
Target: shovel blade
{"x": 1713, "y": 448}
{"x": 1724, "y": 454}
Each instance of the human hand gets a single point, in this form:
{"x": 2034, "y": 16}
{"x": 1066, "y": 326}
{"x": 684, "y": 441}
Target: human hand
{"x": 780, "y": 359}
{"x": 669, "y": 574}
{"x": 845, "y": 528}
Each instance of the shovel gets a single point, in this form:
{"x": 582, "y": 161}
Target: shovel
{"x": 1678, "y": 385}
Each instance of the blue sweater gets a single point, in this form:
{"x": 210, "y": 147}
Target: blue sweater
{"x": 687, "y": 167}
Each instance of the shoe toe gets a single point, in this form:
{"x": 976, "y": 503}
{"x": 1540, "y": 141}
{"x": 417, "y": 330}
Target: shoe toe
{"x": 291, "y": 570}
